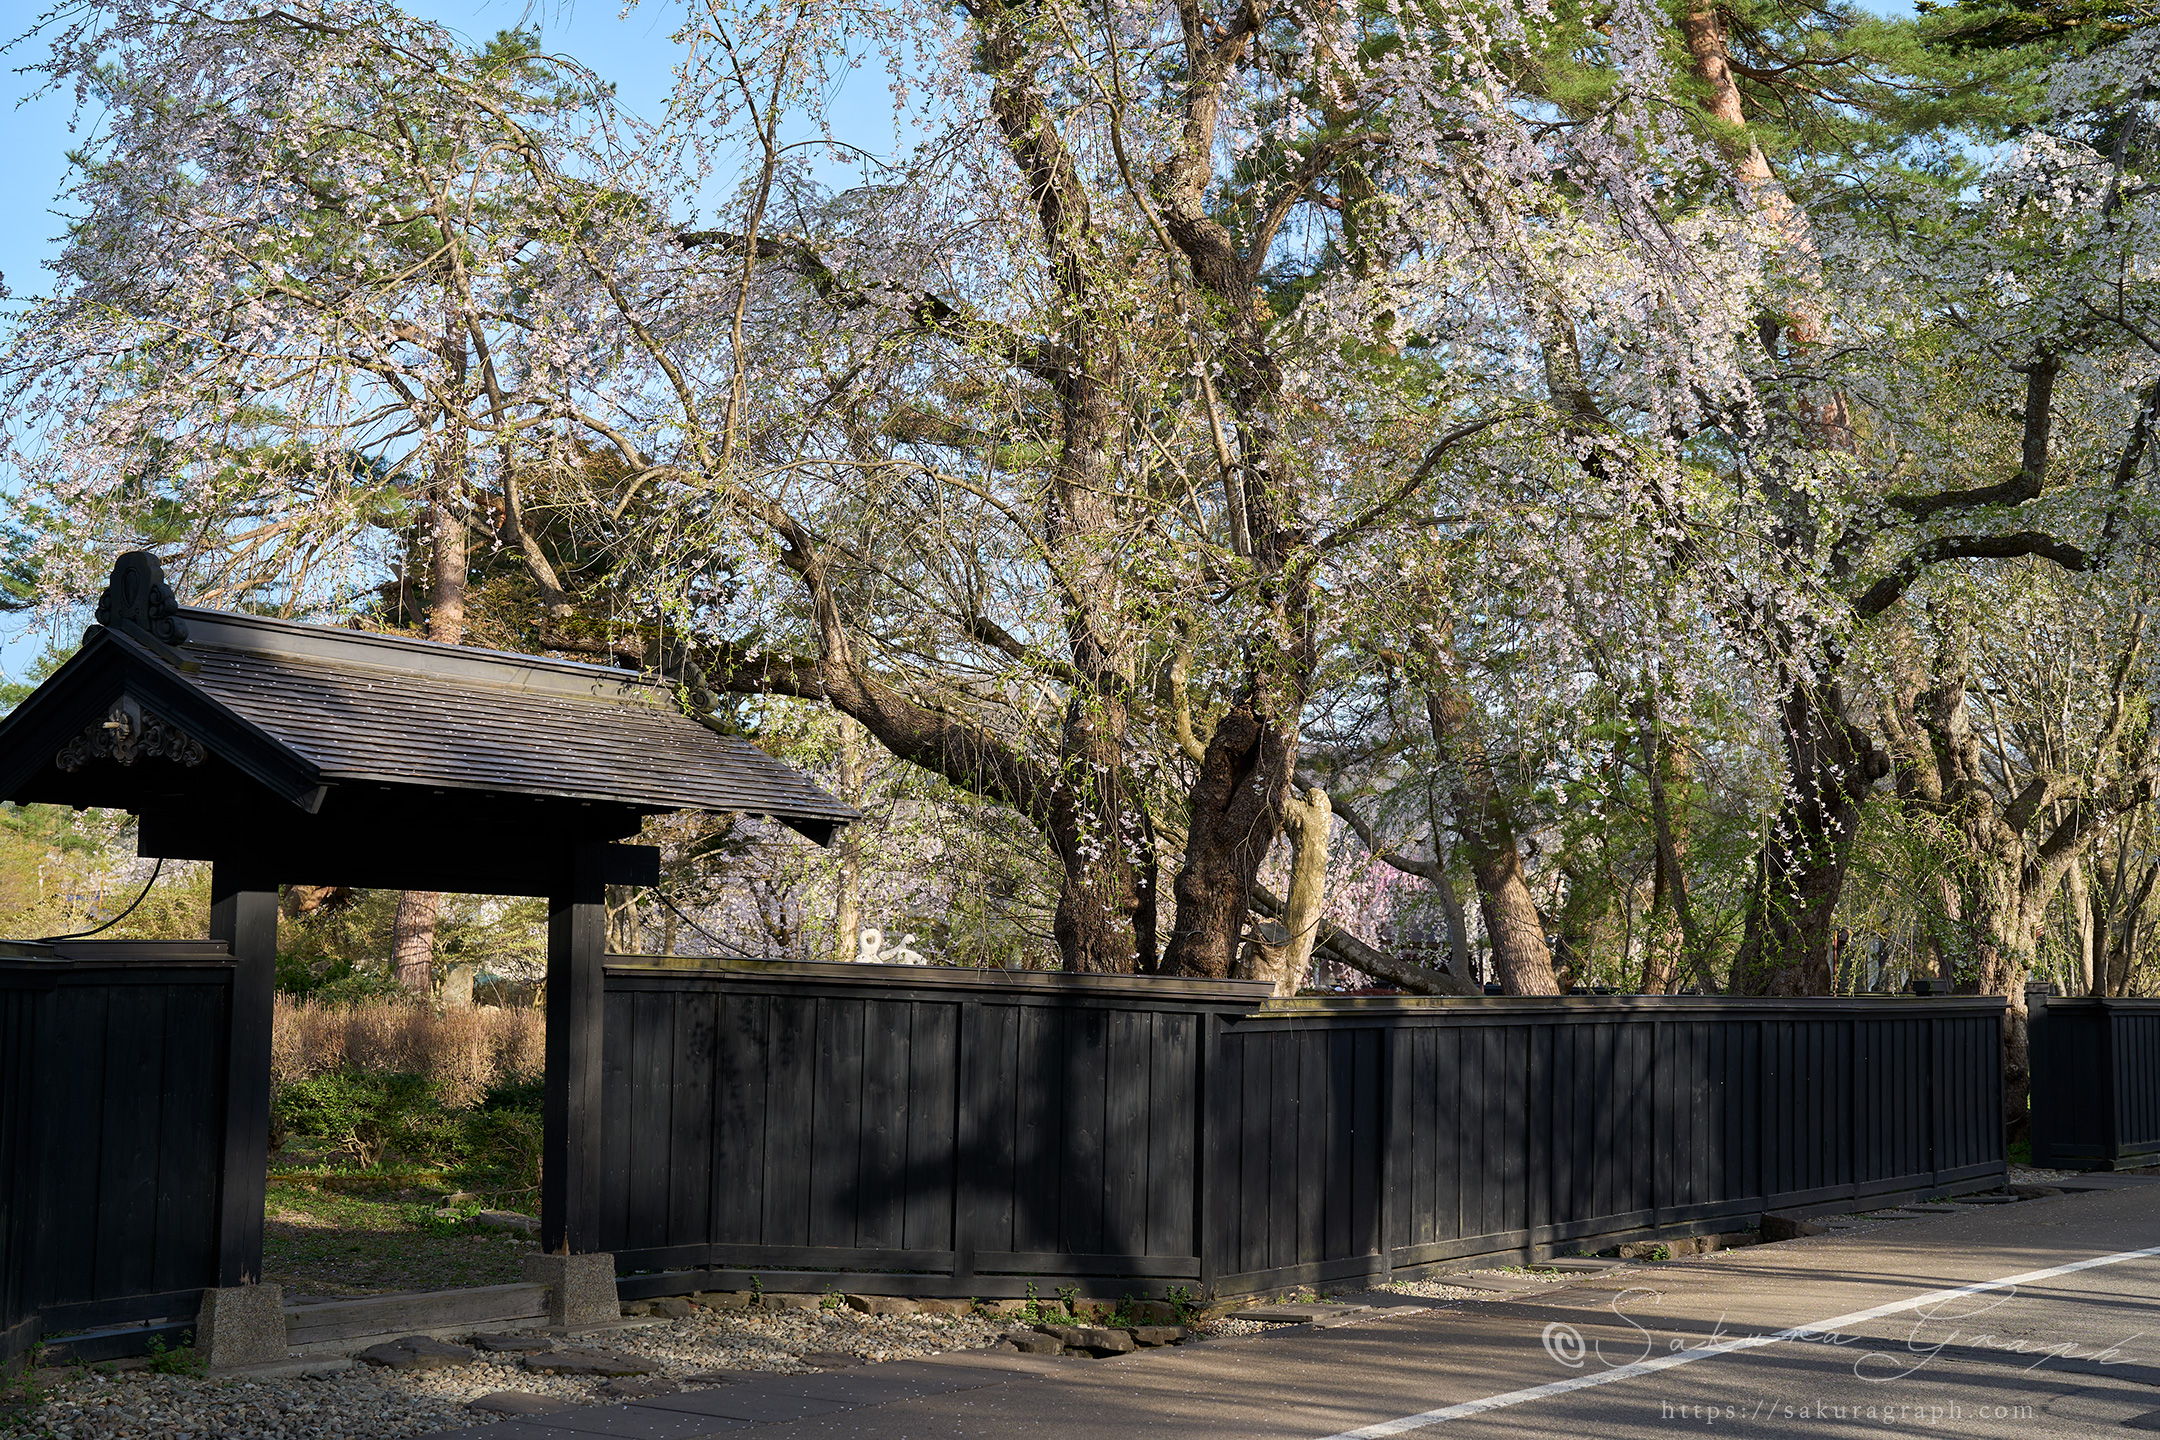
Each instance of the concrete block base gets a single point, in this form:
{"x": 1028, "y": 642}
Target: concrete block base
{"x": 241, "y": 1325}
{"x": 581, "y": 1288}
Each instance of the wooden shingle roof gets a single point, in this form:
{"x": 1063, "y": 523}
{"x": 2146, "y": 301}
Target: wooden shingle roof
{"x": 365, "y": 707}
{"x": 329, "y": 749}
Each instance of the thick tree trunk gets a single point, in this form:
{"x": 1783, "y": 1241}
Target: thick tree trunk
{"x": 412, "y": 942}
{"x": 1237, "y": 805}
{"x": 1105, "y": 918}
{"x": 1521, "y": 958}
{"x": 1307, "y": 820}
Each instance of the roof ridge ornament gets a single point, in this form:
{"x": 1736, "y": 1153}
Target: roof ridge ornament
{"x": 140, "y": 605}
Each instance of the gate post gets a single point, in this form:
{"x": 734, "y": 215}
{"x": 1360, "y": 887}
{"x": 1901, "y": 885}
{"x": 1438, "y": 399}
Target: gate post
{"x": 243, "y": 914}
{"x": 570, "y": 1146}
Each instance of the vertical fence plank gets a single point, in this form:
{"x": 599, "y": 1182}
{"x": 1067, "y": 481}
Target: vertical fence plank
{"x": 690, "y": 1162}
{"x": 1039, "y": 1186}
{"x": 1128, "y": 1069}
{"x": 1312, "y": 1123}
{"x": 934, "y": 1071}
{"x": 643, "y": 1106}
{"x": 1172, "y": 1126}
{"x": 1087, "y": 1081}
{"x": 836, "y": 1123}
{"x": 881, "y": 1159}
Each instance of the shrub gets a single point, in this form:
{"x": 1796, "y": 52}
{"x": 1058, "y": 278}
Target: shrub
{"x": 466, "y": 1052}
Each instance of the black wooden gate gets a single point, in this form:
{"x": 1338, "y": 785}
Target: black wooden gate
{"x": 925, "y": 1132}
{"x": 113, "y": 1101}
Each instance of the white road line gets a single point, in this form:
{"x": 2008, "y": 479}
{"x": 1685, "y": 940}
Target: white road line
{"x": 1724, "y": 1347}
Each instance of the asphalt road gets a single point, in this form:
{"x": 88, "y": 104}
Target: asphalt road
{"x": 2038, "y": 1319}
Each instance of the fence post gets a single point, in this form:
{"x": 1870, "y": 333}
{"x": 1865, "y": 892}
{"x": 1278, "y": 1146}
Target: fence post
{"x": 967, "y": 1142}
{"x": 576, "y": 999}
{"x": 2110, "y": 1088}
{"x": 1209, "y": 1149}
{"x": 2040, "y": 1101}
{"x": 243, "y": 914}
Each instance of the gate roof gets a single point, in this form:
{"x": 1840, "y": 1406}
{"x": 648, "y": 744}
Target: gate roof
{"x": 316, "y": 749}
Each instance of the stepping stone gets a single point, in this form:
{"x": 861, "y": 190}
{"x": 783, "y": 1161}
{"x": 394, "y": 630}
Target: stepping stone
{"x": 1096, "y": 1340}
{"x": 589, "y": 1362}
{"x": 1579, "y": 1265}
{"x": 945, "y": 1307}
{"x": 513, "y": 1344}
{"x": 507, "y": 1220}
{"x": 883, "y": 1305}
{"x": 1930, "y": 1208}
{"x": 518, "y": 1402}
{"x": 1295, "y": 1314}
{"x": 1152, "y": 1335}
{"x": 829, "y": 1359}
{"x": 792, "y": 1302}
{"x": 1030, "y": 1342}
{"x": 723, "y": 1299}
{"x": 1987, "y": 1199}
{"x": 629, "y": 1388}
{"x": 415, "y": 1352}
{"x": 712, "y": 1377}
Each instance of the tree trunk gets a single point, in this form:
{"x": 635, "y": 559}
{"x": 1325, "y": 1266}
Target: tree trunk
{"x": 623, "y": 928}
{"x": 847, "y": 884}
{"x": 1581, "y": 929}
{"x": 1346, "y": 949}
{"x": 412, "y": 932}
{"x": 1237, "y": 807}
{"x": 1521, "y": 958}
{"x": 1460, "y": 960}
{"x": 412, "y": 942}
{"x": 1672, "y": 945}
{"x": 1800, "y": 869}
{"x": 1307, "y": 820}
{"x": 2078, "y": 904}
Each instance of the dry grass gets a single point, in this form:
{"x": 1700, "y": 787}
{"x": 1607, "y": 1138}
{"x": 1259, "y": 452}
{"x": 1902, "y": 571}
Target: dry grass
{"x": 466, "y": 1051}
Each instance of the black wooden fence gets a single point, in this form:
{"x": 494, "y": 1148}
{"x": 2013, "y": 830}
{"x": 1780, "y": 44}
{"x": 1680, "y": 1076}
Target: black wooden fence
{"x": 912, "y": 1131}
{"x": 113, "y": 1080}
{"x": 2095, "y": 1081}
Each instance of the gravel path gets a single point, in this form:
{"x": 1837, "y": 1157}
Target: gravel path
{"x": 1439, "y": 1289}
{"x": 365, "y": 1403}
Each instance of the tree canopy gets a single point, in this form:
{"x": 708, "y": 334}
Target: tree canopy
{"x": 1648, "y": 495}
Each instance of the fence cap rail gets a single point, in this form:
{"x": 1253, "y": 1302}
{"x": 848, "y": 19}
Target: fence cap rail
{"x": 1646, "y": 1004}
{"x": 105, "y": 952}
{"x": 1240, "y": 993}
{"x": 2135, "y": 1004}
